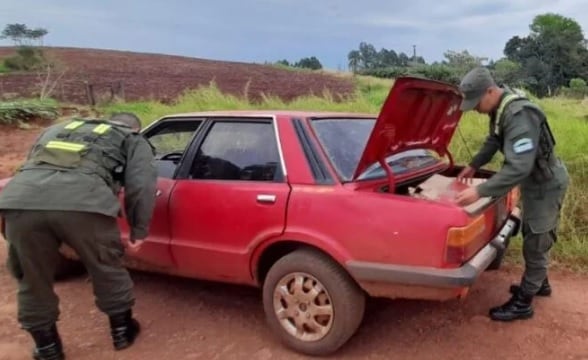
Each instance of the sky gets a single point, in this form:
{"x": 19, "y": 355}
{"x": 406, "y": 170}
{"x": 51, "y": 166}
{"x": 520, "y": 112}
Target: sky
{"x": 271, "y": 30}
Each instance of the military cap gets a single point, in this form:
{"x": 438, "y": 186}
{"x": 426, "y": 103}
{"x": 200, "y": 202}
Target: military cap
{"x": 473, "y": 86}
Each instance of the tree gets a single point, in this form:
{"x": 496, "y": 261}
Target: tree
{"x": 552, "y": 25}
{"x": 309, "y": 63}
{"x": 506, "y": 71}
{"x": 403, "y": 59}
{"x": 462, "y": 61}
{"x": 552, "y": 54}
{"x": 386, "y": 58}
{"x": 369, "y": 55}
{"x": 354, "y": 60}
{"x": 21, "y": 35}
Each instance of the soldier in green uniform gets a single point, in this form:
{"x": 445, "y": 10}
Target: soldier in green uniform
{"x": 519, "y": 129}
{"x": 67, "y": 191}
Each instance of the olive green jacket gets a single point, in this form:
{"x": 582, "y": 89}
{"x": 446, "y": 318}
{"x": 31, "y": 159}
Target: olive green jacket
{"x": 516, "y": 135}
{"x": 89, "y": 184}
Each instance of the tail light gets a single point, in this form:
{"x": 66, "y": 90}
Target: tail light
{"x": 513, "y": 198}
{"x": 463, "y": 242}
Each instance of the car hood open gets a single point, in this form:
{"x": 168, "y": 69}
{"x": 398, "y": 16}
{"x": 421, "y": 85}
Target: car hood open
{"x": 418, "y": 113}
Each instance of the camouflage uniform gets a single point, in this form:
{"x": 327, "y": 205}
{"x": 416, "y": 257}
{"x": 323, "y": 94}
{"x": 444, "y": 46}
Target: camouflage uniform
{"x": 519, "y": 129}
{"x": 67, "y": 191}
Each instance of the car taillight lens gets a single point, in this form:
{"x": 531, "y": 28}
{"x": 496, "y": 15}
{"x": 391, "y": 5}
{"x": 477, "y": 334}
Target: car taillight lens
{"x": 513, "y": 198}
{"x": 463, "y": 242}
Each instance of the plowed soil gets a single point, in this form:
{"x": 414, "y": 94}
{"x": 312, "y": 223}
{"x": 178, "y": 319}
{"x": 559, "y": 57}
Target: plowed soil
{"x": 164, "y": 77}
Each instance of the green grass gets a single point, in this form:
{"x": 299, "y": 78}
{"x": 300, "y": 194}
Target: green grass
{"x": 3, "y": 68}
{"x": 24, "y": 111}
{"x": 568, "y": 119}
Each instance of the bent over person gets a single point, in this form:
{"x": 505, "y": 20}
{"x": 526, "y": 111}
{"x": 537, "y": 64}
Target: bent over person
{"x": 67, "y": 191}
{"x": 519, "y": 129}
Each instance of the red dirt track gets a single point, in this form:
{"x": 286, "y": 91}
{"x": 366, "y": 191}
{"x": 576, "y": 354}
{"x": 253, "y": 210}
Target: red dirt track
{"x": 163, "y": 77}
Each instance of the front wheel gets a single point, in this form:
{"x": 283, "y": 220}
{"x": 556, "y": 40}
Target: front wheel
{"x": 312, "y": 303}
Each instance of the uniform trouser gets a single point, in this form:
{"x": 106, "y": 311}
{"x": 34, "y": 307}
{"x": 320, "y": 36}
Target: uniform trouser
{"x": 536, "y": 249}
{"x": 537, "y": 245}
{"x": 34, "y": 238}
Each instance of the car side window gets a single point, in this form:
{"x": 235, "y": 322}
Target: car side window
{"x": 238, "y": 150}
{"x": 170, "y": 139}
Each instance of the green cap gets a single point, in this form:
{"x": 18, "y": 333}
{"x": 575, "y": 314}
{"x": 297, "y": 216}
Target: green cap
{"x": 473, "y": 86}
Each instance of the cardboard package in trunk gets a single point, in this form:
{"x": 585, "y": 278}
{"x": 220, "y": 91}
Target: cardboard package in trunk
{"x": 444, "y": 188}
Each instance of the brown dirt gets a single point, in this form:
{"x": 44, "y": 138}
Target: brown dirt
{"x": 163, "y": 77}
{"x": 188, "y": 319}
{"x": 14, "y": 145}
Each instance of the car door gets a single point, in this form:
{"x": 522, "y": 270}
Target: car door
{"x": 234, "y": 195}
{"x": 170, "y": 138}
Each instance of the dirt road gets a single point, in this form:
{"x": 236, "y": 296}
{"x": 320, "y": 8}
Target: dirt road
{"x": 187, "y": 319}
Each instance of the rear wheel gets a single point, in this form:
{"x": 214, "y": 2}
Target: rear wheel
{"x": 312, "y": 303}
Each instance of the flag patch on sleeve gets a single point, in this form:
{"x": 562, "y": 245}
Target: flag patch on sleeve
{"x": 522, "y": 145}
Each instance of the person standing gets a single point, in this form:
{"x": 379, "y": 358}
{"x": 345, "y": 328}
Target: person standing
{"x": 519, "y": 129}
{"x": 67, "y": 191}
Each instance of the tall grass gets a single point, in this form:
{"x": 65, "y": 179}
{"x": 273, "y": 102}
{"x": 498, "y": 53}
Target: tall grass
{"x": 568, "y": 119}
{"x": 3, "y": 68}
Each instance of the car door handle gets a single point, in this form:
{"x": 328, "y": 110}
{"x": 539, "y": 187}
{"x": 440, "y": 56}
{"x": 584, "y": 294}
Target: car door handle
{"x": 158, "y": 192}
{"x": 266, "y": 198}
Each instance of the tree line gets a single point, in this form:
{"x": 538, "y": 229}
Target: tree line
{"x": 552, "y": 59}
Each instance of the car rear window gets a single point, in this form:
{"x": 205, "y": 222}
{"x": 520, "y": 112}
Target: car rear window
{"x": 344, "y": 140}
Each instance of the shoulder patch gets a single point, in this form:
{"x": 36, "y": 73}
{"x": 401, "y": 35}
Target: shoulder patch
{"x": 522, "y": 145}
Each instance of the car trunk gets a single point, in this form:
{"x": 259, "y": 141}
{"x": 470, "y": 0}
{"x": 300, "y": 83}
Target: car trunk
{"x": 485, "y": 217}
{"x": 424, "y": 114}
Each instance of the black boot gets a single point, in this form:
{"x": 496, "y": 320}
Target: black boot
{"x": 517, "y": 308}
{"x": 544, "y": 290}
{"x": 47, "y": 344}
{"x": 124, "y": 329}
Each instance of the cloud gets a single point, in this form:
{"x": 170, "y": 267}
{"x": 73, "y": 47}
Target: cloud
{"x": 260, "y": 30}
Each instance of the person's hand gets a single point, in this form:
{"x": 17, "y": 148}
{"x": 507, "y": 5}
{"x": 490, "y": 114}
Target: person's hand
{"x": 466, "y": 175}
{"x": 134, "y": 245}
{"x": 467, "y": 196}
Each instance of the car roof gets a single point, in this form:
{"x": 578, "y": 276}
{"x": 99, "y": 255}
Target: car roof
{"x": 270, "y": 113}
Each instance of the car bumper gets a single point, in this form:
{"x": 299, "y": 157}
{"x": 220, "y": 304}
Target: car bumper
{"x": 464, "y": 276}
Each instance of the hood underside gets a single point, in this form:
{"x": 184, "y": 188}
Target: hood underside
{"x": 418, "y": 113}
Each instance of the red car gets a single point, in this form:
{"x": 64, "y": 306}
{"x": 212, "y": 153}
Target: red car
{"x": 321, "y": 210}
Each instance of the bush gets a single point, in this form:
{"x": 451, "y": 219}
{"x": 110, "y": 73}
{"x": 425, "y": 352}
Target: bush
{"x": 27, "y": 58}
{"x": 577, "y": 89}
{"x": 439, "y": 72}
{"x": 26, "y": 111}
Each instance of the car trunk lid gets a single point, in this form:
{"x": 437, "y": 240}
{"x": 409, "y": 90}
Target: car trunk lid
{"x": 417, "y": 114}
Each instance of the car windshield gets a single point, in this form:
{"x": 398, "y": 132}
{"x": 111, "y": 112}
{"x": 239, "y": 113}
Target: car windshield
{"x": 345, "y": 139}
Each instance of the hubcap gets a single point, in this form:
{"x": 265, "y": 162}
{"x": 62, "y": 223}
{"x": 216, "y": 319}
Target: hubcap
{"x": 303, "y": 307}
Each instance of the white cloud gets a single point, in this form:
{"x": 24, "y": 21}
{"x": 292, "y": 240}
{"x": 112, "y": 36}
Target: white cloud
{"x": 252, "y": 30}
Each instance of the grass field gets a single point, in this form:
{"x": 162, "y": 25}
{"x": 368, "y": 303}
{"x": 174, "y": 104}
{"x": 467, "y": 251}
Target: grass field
{"x": 568, "y": 120}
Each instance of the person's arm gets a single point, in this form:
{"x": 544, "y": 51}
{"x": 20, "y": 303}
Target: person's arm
{"x": 140, "y": 182}
{"x": 486, "y": 153}
{"x": 521, "y": 141}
